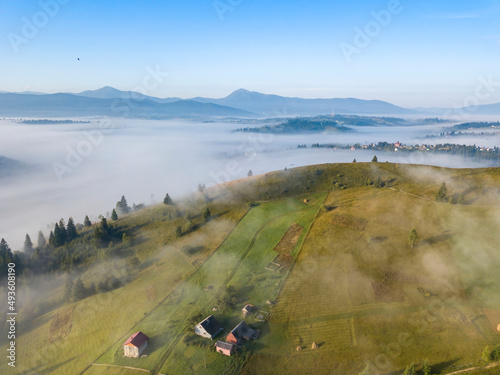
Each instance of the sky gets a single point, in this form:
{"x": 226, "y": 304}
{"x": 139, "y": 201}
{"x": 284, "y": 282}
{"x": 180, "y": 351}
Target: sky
{"x": 413, "y": 53}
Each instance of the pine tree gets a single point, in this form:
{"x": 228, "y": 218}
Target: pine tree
{"x": 28, "y": 245}
{"x": 71, "y": 230}
{"x": 354, "y": 161}
{"x": 375, "y": 159}
{"x": 167, "y": 200}
{"x": 104, "y": 225}
{"x": 207, "y": 214}
{"x": 52, "y": 239}
{"x": 78, "y": 291}
{"x": 122, "y": 206}
{"x": 250, "y": 173}
{"x": 426, "y": 370}
{"x": 114, "y": 215}
{"x": 87, "y": 222}
{"x": 60, "y": 234}
{"x": 441, "y": 194}
{"x": 413, "y": 238}
{"x": 41, "y": 240}
{"x": 495, "y": 353}
{"x": 64, "y": 232}
{"x": 5, "y": 252}
{"x": 486, "y": 355}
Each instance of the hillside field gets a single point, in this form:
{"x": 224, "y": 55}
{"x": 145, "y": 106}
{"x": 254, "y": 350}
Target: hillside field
{"x": 323, "y": 253}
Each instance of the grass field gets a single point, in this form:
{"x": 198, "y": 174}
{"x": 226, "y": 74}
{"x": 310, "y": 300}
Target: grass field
{"x": 345, "y": 278}
{"x": 364, "y": 296}
{"x": 240, "y": 261}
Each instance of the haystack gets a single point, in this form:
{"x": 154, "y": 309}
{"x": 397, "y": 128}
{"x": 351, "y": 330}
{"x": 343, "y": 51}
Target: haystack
{"x": 299, "y": 348}
{"x": 314, "y": 346}
{"x": 498, "y": 328}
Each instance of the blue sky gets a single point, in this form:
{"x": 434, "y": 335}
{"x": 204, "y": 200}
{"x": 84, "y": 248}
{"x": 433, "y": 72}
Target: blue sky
{"x": 430, "y": 53}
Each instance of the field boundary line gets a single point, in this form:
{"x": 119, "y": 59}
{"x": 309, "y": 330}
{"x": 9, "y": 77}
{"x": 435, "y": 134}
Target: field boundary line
{"x": 127, "y": 367}
{"x": 327, "y": 193}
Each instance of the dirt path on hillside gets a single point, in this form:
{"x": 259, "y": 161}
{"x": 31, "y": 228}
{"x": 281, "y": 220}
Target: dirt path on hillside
{"x": 474, "y": 368}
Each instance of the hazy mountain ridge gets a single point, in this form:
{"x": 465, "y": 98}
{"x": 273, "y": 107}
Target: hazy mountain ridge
{"x": 56, "y": 105}
{"x": 243, "y": 103}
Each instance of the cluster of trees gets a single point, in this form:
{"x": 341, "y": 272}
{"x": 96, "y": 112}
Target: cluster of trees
{"x": 476, "y": 125}
{"x": 491, "y": 354}
{"x": 61, "y": 234}
{"x": 122, "y": 206}
{"x": 104, "y": 233}
{"x": 6, "y": 256}
{"x": 76, "y": 290}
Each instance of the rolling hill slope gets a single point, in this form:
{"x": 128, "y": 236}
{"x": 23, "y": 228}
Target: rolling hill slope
{"x": 347, "y": 280}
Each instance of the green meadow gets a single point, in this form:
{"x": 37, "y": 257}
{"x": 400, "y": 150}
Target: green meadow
{"x": 325, "y": 257}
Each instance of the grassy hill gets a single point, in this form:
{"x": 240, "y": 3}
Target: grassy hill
{"x": 321, "y": 251}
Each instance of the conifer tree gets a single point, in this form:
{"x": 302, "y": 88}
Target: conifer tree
{"x": 28, "y": 245}
{"x": 78, "y": 290}
{"x": 207, "y": 214}
{"x": 413, "y": 238}
{"x": 5, "y": 252}
{"x": 167, "y": 200}
{"x": 87, "y": 222}
{"x": 41, "y": 242}
{"x": 122, "y": 206}
{"x": 52, "y": 239}
{"x": 63, "y": 231}
{"x": 71, "y": 230}
{"x": 114, "y": 215}
{"x": 441, "y": 194}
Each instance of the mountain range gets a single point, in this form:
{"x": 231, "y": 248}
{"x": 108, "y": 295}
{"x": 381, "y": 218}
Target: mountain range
{"x": 108, "y": 101}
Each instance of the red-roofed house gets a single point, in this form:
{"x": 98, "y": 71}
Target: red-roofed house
{"x": 242, "y": 332}
{"x": 135, "y": 345}
{"x": 225, "y": 348}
